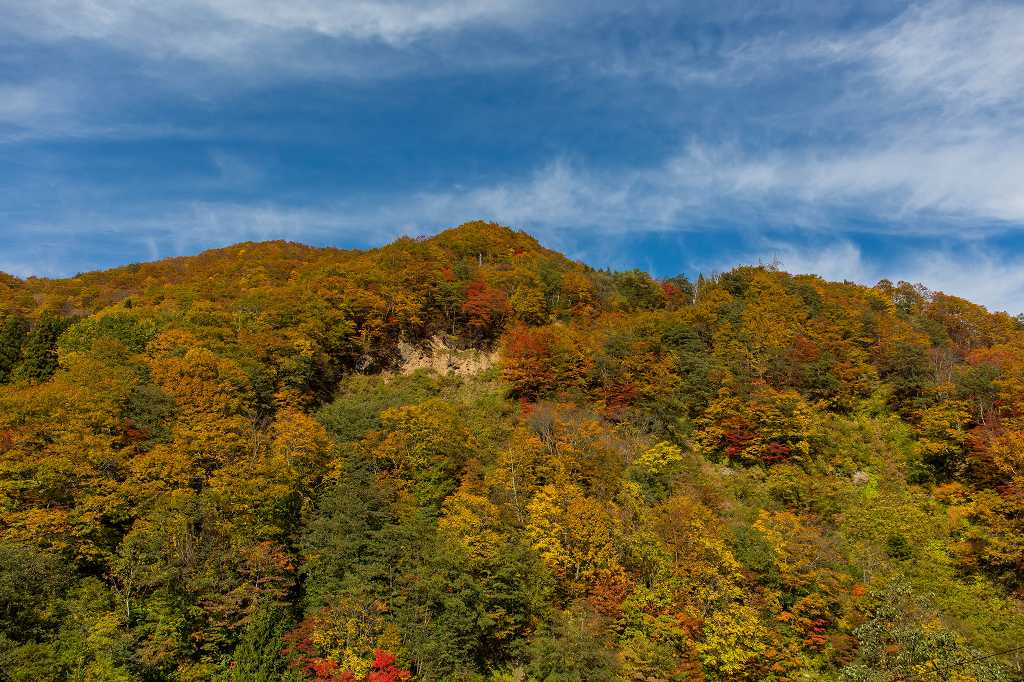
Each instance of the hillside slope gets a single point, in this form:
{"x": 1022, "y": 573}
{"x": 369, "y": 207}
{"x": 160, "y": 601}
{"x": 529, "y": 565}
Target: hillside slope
{"x": 213, "y": 468}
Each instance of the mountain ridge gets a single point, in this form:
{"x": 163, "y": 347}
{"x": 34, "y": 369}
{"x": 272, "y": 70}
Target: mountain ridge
{"x": 487, "y": 234}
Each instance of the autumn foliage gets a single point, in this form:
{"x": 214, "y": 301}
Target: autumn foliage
{"x": 228, "y": 467}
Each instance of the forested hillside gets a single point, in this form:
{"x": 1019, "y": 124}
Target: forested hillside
{"x": 228, "y": 467}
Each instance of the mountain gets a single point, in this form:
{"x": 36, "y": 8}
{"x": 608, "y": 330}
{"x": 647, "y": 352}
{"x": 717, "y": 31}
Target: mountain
{"x": 468, "y": 457}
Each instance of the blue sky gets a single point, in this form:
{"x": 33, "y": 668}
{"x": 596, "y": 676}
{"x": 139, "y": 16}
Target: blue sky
{"x": 857, "y": 140}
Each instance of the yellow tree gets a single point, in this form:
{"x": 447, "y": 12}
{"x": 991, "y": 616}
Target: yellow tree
{"x": 574, "y": 536}
{"x": 265, "y": 492}
{"x": 213, "y": 398}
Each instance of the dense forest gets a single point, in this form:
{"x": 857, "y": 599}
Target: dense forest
{"x": 470, "y": 458}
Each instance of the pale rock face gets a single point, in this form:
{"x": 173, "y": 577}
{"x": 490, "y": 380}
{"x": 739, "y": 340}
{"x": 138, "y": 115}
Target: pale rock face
{"x": 860, "y": 477}
{"x": 440, "y": 358}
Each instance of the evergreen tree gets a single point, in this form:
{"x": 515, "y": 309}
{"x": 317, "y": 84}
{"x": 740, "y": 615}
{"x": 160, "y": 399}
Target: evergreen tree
{"x": 257, "y": 658}
{"x": 12, "y": 337}
{"x": 39, "y": 353}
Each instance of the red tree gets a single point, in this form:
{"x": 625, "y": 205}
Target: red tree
{"x": 486, "y": 307}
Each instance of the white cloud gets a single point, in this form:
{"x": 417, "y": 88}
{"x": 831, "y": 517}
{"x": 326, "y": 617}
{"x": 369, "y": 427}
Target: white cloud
{"x": 234, "y": 171}
{"x": 925, "y": 129}
{"x": 234, "y": 31}
{"x": 968, "y": 54}
{"x": 927, "y": 136}
{"x": 18, "y": 102}
{"x": 839, "y": 261}
{"x": 925, "y": 133}
{"x": 920, "y": 182}
{"x": 997, "y": 282}
{"x": 973, "y": 187}
{"x": 41, "y": 102}
{"x": 935, "y": 103}
{"x": 394, "y": 21}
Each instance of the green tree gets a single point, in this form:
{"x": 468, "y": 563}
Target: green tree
{"x": 572, "y": 647}
{"x": 13, "y": 329}
{"x": 39, "y": 353}
{"x": 258, "y": 657}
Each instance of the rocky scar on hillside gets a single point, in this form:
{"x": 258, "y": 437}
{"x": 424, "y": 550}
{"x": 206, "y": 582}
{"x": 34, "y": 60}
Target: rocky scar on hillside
{"x": 470, "y": 458}
{"x": 438, "y": 357}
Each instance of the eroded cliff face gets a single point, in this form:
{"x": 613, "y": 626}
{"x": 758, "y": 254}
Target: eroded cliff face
{"x": 439, "y": 357}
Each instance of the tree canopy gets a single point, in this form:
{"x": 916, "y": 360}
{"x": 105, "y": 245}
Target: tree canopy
{"x": 226, "y": 467}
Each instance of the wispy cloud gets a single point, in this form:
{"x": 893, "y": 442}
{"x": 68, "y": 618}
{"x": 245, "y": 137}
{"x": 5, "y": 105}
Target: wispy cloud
{"x": 393, "y": 21}
{"x": 240, "y": 35}
{"x": 973, "y": 187}
{"x": 967, "y": 55}
{"x": 908, "y": 125}
{"x": 925, "y": 132}
{"x": 927, "y": 137}
{"x": 40, "y": 102}
{"x": 126, "y": 52}
{"x": 19, "y": 102}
